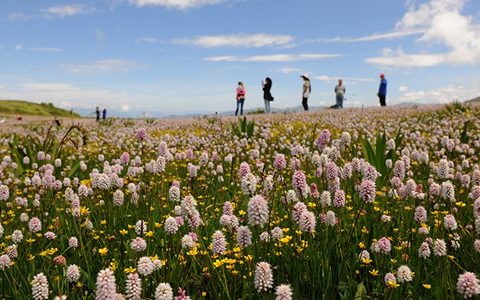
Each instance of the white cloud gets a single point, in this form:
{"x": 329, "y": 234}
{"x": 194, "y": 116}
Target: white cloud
{"x": 442, "y": 23}
{"x": 47, "y": 87}
{"x": 45, "y": 49}
{"x": 441, "y": 95}
{"x": 238, "y": 40}
{"x": 175, "y": 4}
{"x": 422, "y": 16}
{"x": 271, "y": 58}
{"x": 19, "y": 17}
{"x": 66, "y": 10}
{"x": 154, "y": 99}
{"x": 403, "y": 88}
{"x": 66, "y": 95}
{"x": 100, "y": 38}
{"x": 371, "y": 38}
{"x": 106, "y": 65}
{"x": 146, "y": 39}
{"x": 346, "y": 80}
{"x": 399, "y": 58}
{"x": 41, "y": 49}
{"x": 291, "y": 70}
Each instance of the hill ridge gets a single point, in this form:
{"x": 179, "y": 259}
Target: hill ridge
{"x": 28, "y": 108}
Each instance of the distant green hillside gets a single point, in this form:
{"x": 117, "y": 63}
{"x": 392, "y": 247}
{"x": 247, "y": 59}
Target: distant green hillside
{"x": 18, "y": 107}
{"x": 475, "y": 100}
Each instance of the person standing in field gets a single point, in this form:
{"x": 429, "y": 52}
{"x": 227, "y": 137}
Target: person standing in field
{"x": 267, "y": 95}
{"x": 241, "y": 92}
{"x": 104, "y": 113}
{"x": 382, "y": 91}
{"x": 307, "y": 89}
{"x": 339, "y": 94}
{"x": 97, "y": 113}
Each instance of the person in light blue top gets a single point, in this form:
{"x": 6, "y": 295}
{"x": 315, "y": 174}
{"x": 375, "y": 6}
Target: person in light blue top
{"x": 382, "y": 91}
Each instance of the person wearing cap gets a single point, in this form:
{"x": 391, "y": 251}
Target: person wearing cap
{"x": 241, "y": 92}
{"x": 382, "y": 91}
{"x": 340, "y": 94}
{"x": 307, "y": 89}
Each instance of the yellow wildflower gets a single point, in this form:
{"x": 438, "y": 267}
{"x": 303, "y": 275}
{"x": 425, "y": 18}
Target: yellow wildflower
{"x": 366, "y": 260}
{"x": 392, "y": 284}
{"x": 103, "y": 251}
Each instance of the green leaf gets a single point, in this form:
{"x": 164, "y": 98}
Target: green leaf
{"x": 17, "y": 156}
{"x": 361, "y": 291}
{"x": 464, "y": 135}
{"x": 368, "y": 151}
{"x": 73, "y": 170}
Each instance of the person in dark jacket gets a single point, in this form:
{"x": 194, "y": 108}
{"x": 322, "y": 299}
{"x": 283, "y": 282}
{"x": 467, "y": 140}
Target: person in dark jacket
{"x": 104, "y": 113}
{"x": 382, "y": 91}
{"x": 267, "y": 96}
{"x": 97, "y": 113}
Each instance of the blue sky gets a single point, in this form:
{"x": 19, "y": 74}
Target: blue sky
{"x": 186, "y": 56}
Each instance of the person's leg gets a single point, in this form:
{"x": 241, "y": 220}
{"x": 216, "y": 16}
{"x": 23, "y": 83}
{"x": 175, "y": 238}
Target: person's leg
{"x": 266, "y": 103}
{"x": 241, "y": 107}
{"x": 341, "y": 102}
{"x": 236, "y": 111}
{"x": 305, "y": 103}
{"x": 382, "y": 100}
{"x": 268, "y": 106}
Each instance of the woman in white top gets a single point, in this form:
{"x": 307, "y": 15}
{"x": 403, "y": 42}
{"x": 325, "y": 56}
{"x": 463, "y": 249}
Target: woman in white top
{"x": 307, "y": 89}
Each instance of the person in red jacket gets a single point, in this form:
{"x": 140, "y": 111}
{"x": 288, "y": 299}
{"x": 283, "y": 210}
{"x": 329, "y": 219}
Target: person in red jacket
{"x": 241, "y": 92}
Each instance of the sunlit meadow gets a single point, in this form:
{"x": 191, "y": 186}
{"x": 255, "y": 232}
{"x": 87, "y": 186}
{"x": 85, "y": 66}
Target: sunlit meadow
{"x": 377, "y": 204}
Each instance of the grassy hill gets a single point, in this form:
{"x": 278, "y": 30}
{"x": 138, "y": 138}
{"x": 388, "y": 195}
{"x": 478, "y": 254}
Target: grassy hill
{"x": 18, "y": 107}
{"x": 475, "y": 100}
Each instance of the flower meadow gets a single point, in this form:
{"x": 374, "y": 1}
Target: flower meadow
{"x": 381, "y": 204}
